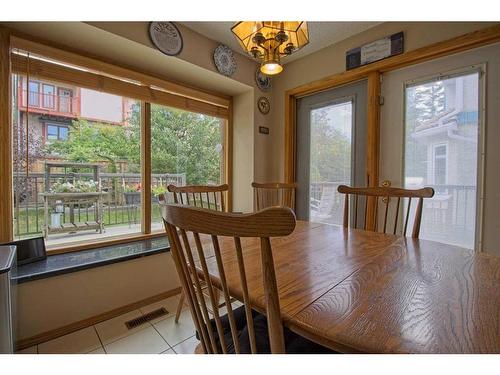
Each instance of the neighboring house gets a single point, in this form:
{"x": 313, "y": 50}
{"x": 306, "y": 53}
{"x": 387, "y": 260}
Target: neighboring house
{"x": 53, "y": 107}
{"x": 450, "y": 138}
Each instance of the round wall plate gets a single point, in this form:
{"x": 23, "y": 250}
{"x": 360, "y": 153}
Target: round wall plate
{"x": 166, "y": 37}
{"x": 263, "y": 81}
{"x": 224, "y": 60}
{"x": 263, "y": 105}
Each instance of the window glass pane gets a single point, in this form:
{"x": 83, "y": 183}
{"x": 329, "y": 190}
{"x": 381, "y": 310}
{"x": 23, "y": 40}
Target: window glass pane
{"x": 34, "y": 93}
{"x": 52, "y": 132}
{"x": 331, "y": 134}
{"x": 48, "y": 96}
{"x": 186, "y": 149}
{"x": 100, "y": 130}
{"x": 65, "y": 101}
{"x": 441, "y": 147}
{"x": 63, "y": 133}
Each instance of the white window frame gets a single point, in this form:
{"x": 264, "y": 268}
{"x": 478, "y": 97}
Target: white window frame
{"x": 433, "y": 161}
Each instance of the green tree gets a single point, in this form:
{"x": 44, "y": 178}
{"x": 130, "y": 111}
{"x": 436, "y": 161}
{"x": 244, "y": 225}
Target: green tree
{"x": 181, "y": 142}
{"x": 330, "y": 150}
{"x": 92, "y": 142}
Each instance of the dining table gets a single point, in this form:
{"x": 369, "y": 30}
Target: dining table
{"x": 357, "y": 291}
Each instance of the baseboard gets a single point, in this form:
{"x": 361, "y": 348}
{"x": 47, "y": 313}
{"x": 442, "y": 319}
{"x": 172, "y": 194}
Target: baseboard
{"x": 54, "y": 333}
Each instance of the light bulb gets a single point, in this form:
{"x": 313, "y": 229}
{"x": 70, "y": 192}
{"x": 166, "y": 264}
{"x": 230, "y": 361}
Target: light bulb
{"x": 271, "y": 68}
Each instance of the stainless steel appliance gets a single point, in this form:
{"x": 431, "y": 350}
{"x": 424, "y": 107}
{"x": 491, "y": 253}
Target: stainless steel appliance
{"x": 7, "y": 298}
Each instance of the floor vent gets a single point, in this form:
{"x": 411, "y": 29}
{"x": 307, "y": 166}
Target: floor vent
{"x": 146, "y": 318}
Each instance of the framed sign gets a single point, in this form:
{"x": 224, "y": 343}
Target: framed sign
{"x": 166, "y": 37}
{"x": 263, "y": 130}
{"x": 375, "y": 51}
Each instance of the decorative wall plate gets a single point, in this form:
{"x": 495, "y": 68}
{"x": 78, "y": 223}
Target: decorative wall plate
{"x": 263, "y": 105}
{"x": 224, "y": 60}
{"x": 263, "y": 81}
{"x": 166, "y": 37}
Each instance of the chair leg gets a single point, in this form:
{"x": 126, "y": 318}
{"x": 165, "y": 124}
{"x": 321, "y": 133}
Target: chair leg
{"x": 217, "y": 296}
{"x": 179, "y": 307}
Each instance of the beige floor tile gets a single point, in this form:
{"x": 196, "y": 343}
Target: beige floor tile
{"x": 31, "y": 350}
{"x": 97, "y": 351}
{"x": 187, "y": 346}
{"x": 170, "y": 304}
{"x": 115, "y": 329}
{"x": 173, "y": 332}
{"x": 82, "y": 341}
{"x": 146, "y": 341}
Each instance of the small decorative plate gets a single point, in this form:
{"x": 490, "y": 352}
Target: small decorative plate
{"x": 224, "y": 60}
{"x": 263, "y": 81}
{"x": 166, "y": 37}
{"x": 263, "y": 105}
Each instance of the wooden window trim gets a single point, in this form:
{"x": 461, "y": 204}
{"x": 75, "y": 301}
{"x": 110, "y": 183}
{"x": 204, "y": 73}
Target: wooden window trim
{"x": 6, "y": 175}
{"x": 82, "y": 58}
{"x": 372, "y": 73}
{"x": 90, "y": 80}
{"x": 152, "y": 89}
{"x": 93, "y": 244}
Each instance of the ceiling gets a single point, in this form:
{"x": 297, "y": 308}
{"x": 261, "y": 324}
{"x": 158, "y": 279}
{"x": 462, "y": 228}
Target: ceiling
{"x": 321, "y": 34}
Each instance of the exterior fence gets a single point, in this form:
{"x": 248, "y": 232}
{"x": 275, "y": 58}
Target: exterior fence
{"x": 117, "y": 209}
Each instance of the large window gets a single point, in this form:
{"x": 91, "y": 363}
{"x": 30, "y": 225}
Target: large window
{"x": 57, "y": 191}
{"x": 186, "y": 149}
{"x": 441, "y": 151}
{"x": 79, "y": 172}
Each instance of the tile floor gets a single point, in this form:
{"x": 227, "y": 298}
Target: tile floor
{"x": 161, "y": 335}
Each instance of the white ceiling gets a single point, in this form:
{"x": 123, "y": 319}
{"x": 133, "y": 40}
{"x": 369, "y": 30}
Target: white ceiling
{"x": 321, "y": 34}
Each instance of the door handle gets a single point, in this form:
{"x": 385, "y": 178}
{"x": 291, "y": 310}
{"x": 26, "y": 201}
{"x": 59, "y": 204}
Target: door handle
{"x": 386, "y": 183}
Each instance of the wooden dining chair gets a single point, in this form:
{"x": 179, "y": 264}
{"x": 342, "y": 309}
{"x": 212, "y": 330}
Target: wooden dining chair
{"x": 274, "y": 194}
{"x": 389, "y": 196}
{"x": 204, "y": 196}
{"x": 215, "y": 337}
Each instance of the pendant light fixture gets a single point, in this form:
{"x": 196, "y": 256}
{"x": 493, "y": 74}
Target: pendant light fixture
{"x": 269, "y": 41}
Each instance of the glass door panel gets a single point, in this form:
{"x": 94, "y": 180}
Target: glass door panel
{"x": 331, "y": 150}
{"x": 330, "y": 160}
{"x": 441, "y": 151}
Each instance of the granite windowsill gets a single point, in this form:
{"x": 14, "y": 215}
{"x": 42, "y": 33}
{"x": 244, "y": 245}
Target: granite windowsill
{"x": 76, "y": 261}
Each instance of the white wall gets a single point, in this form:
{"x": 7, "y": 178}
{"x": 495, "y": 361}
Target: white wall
{"x": 57, "y": 301}
{"x": 243, "y": 151}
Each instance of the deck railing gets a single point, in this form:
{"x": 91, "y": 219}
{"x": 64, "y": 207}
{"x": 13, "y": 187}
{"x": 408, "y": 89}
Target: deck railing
{"x": 28, "y": 205}
{"x": 49, "y": 103}
{"x": 448, "y": 217}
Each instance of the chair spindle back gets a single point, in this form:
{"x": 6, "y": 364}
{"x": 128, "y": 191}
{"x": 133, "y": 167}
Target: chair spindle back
{"x": 385, "y": 194}
{"x": 274, "y": 194}
{"x": 204, "y": 196}
{"x": 195, "y": 265}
